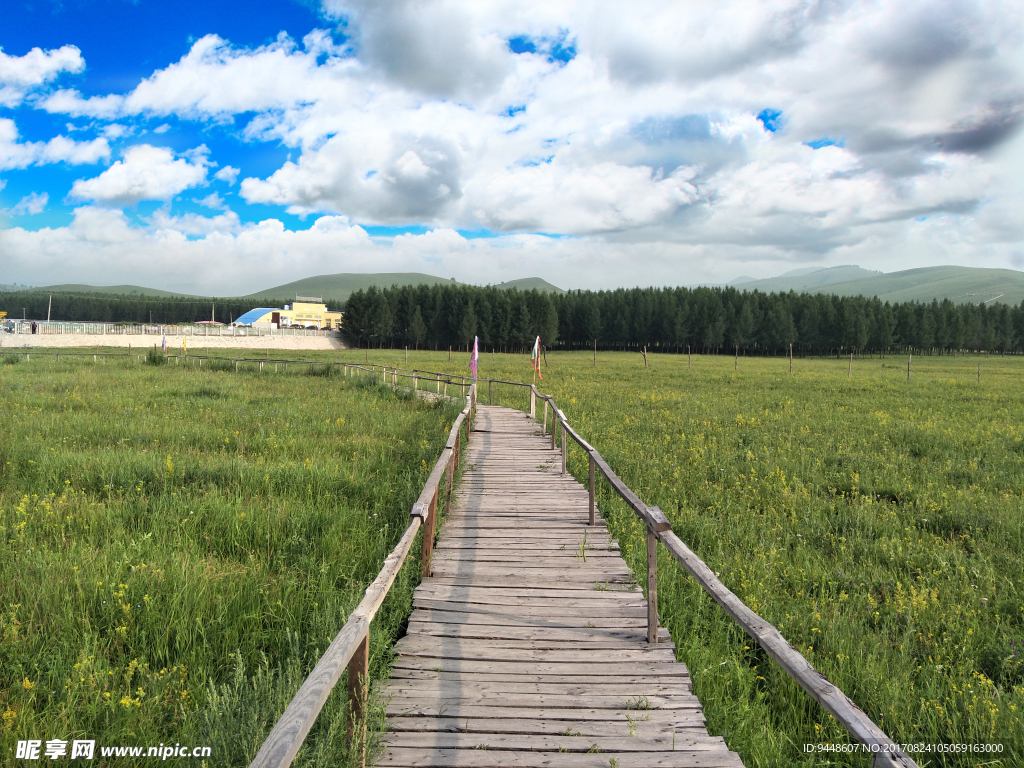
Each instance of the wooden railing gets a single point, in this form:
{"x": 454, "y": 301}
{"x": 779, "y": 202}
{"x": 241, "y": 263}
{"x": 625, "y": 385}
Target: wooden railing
{"x": 350, "y": 647}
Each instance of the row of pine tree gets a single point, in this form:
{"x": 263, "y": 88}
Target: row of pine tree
{"x": 674, "y": 320}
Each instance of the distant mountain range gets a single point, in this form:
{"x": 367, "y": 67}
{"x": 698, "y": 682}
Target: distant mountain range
{"x": 334, "y": 288}
{"x": 959, "y": 284}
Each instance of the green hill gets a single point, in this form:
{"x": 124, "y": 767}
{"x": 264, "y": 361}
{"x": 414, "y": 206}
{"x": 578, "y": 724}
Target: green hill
{"x": 807, "y": 279}
{"x": 532, "y": 284}
{"x": 338, "y": 287}
{"x": 127, "y": 290}
{"x": 959, "y": 284}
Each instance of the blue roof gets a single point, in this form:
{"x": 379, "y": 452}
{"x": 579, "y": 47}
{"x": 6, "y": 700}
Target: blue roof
{"x": 253, "y": 315}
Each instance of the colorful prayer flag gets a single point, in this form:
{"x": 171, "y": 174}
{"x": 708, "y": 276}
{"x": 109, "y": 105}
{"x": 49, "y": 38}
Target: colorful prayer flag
{"x": 535, "y": 358}
{"x": 165, "y": 343}
{"x": 475, "y": 359}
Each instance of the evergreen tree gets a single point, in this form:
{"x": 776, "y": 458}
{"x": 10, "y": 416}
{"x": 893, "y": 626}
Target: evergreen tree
{"x": 417, "y": 328}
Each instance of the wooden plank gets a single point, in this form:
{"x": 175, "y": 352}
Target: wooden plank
{"x": 692, "y": 726}
{"x": 528, "y": 677}
{"x": 452, "y": 709}
{"x": 596, "y": 610}
{"x": 565, "y": 744}
{"x": 528, "y": 651}
{"x": 399, "y": 700}
{"x": 485, "y": 758}
{"x": 455, "y": 687}
{"x": 538, "y": 597}
{"x": 490, "y": 666}
{"x": 544, "y": 634}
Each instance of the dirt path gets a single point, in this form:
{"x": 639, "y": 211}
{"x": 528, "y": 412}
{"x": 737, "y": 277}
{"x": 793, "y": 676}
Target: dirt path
{"x": 195, "y": 343}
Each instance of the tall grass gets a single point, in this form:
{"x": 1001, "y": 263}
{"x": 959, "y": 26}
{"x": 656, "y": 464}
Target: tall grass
{"x": 178, "y": 547}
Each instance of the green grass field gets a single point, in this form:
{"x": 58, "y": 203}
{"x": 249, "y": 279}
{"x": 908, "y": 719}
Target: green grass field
{"x": 879, "y": 524}
{"x": 177, "y": 547}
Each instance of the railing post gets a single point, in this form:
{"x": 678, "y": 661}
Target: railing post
{"x": 448, "y": 484}
{"x": 593, "y": 516}
{"x": 358, "y": 683}
{"x": 652, "y": 586}
{"x": 428, "y": 535}
{"x": 564, "y": 446}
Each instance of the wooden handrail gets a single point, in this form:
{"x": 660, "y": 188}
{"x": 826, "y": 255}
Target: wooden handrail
{"x": 288, "y": 734}
{"x": 887, "y": 754}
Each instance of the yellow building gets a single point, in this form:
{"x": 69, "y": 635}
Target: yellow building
{"x": 304, "y": 312}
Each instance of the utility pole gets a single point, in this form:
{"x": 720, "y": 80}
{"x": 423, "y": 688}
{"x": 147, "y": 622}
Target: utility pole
{"x": 595, "y": 353}
{"x": 791, "y": 358}
{"x": 213, "y": 312}
{"x": 48, "y": 307}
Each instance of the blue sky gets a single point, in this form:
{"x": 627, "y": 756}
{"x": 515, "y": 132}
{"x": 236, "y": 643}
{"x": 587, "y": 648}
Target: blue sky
{"x": 222, "y": 147}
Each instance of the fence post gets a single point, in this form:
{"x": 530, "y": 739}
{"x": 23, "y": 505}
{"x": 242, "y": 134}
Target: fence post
{"x": 428, "y": 536}
{"x": 448, "y": 484}
{"x": 593, "y": 516}
{"x": 358, "y": 681}
{"x": 564, "y": 445}
{"x": 490, "y": 392}
{"x": 652, "y": 586}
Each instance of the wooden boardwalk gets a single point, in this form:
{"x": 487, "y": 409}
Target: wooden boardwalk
{"x": 527, "y": 646}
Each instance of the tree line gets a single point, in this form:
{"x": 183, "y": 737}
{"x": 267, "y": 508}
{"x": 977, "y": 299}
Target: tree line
{"x": 705, "y": 320}
{"x": 120, "y": 308}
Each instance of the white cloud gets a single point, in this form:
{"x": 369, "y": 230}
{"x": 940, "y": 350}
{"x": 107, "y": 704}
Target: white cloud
{"x": 21, "y": 74}
{"x": 632, "y": 125}
{"x": 162, "y": 128}
{"x": 117, "y": 131}
{"x": 31, "y": 204}
{"x": 227, "y": 173}
{"x": 145, "y": 173}
{"x": 70, "y": 102}
{"x": 212, "y": 200}
{"x": 194, "y": 224}
{"x": 18, "y": 154}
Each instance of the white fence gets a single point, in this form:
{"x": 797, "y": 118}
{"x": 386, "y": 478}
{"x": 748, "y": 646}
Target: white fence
{"x": 119, "y": 329}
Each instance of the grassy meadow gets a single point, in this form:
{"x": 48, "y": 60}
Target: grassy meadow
{"x": 178, "y": 547}
{"x": 878, "y": 523}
